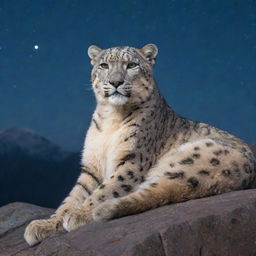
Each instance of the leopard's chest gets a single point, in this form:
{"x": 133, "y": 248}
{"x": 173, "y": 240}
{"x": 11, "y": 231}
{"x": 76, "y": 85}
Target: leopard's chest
{"x": 101, "y": 149}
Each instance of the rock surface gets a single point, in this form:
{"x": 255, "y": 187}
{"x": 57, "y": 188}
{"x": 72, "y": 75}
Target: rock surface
{"x": 223, "y": 225}
{"x": 13, "y": 219}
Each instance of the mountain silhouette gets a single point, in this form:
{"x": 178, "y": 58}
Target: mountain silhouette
{"x": 35, "y": 170}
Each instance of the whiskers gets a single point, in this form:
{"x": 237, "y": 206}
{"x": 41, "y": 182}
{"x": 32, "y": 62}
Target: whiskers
{"x": 109, "y": 90}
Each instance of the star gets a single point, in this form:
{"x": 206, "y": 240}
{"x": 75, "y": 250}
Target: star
{"x": 36, "y": 47}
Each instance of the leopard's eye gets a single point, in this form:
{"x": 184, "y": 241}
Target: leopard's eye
{"x": 104, "y": 65}
{"x": 132, "y": 65}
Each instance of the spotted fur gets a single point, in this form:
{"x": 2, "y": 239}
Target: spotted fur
{"x": 138, "y": 153}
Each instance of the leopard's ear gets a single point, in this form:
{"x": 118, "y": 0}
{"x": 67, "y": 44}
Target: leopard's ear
{"x": 93, "y": 52}
{"x": 150, "y": 52}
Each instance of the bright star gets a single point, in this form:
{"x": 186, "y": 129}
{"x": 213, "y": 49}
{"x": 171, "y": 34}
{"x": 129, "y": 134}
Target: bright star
{"x": 36, "y": 47}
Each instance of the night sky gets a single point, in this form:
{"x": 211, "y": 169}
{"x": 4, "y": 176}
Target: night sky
{"x": 206, "y": 66}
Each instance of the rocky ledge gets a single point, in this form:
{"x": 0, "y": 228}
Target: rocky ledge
{"x": 217, "y": 225}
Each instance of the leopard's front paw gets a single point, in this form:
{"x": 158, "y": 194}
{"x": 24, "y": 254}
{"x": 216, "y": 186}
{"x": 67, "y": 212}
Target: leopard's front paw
{"x": 38, "y": 230}
{"x": 106, "y": 211}
{"x": 75, "y": 219}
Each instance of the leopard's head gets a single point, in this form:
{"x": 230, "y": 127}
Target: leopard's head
{"x": 122, "y": 75}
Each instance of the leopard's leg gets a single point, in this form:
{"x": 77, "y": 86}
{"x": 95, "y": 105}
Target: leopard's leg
{"x": 38, "y": 230}
{"x": 195, "y": 170}
{"x": 130, "y": 169}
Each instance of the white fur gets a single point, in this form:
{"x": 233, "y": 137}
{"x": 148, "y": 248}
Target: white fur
{"x": 105, "y": 144}
{"x": 30, "y": 238}
{"x": 149, "y": 180}
{"x": 117, "y": 99}
{"x": 65, "y": 223}
{"x": 189, "y": 145}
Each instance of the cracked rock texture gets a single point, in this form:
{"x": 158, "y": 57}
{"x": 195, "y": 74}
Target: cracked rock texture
{"x": 218, "y": 225}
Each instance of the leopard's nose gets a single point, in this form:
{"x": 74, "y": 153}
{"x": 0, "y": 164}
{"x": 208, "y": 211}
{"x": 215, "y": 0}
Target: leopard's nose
{"x": 116, "y": 83}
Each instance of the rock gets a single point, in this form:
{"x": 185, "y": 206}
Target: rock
{"x": 217, "y": 225}
{"x": 13, "y": 219}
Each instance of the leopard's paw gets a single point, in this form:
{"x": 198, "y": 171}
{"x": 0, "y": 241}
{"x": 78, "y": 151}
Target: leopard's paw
{"x": 106, "y": 211}
{"x": 75, "y": 219}
{"x": 38, "y": 230}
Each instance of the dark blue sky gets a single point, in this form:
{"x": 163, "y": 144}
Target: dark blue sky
{"x": 206, "y": 65}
